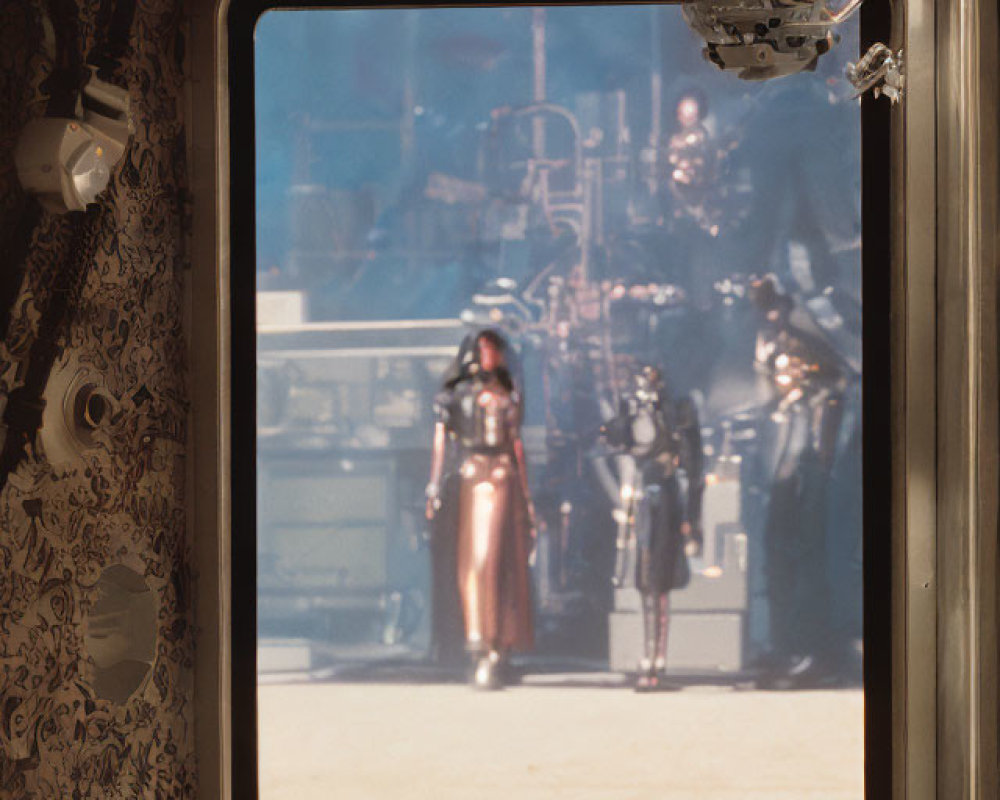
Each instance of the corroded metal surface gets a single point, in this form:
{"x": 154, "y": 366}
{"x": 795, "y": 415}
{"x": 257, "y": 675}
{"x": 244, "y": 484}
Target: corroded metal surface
{"x": 120, "y": 499}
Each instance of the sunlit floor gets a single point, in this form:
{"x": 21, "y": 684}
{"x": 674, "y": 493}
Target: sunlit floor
{"x": 327, "y": 740}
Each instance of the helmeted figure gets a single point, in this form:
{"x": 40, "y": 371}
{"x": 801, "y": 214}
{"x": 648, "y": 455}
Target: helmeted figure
{"x": 477, "y": 440}
{"x": 807, "y": 381}
{"x": 661, "y": 442}
{"x": 693, "y": 167}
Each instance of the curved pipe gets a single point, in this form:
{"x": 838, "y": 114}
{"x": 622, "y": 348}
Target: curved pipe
{"x": 566, "y": 114}
{"x": 849, "y": 8}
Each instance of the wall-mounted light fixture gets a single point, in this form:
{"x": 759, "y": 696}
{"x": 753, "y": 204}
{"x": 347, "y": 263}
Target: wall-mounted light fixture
{"x": 67, "y": 161}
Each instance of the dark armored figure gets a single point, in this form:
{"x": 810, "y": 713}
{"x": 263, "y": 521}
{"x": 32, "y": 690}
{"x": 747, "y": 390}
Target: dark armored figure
{"x": 807, "y": 380}
{"x": 660, "y": 441}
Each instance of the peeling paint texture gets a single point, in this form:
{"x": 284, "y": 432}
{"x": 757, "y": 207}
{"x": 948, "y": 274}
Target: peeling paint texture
{"x": 67, "y": 514}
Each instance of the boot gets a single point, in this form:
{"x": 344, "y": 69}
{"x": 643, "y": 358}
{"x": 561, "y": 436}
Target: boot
{"x": 648, "y": 680}
{"x": 486, "y": 675}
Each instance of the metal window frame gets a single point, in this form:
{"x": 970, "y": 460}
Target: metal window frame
{"x": 940, "y": 294}
{"x": 965, "y": 115}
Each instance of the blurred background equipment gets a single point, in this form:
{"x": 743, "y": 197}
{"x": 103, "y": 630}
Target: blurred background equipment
{"x": 576, "y": 178}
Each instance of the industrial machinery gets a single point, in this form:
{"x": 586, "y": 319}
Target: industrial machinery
{"x": 596, "y": 233}
{"x": 763, "y": 39}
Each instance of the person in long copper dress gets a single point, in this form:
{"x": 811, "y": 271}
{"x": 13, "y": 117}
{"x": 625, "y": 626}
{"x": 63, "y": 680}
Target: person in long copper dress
{"x": 478, "y": 424}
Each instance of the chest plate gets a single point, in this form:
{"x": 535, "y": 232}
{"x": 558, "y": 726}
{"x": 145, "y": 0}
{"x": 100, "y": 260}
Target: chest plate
{"x": 485, "y": 415}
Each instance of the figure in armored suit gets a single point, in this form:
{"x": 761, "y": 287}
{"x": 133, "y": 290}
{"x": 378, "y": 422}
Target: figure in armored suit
{"x": 661, "y": 441}
{"x": 807, "y": 380}
{"x": 489, "y": 509}
{"x": 693, "y": 163}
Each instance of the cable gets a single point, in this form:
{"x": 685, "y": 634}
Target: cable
{"x": 22, "y": 417}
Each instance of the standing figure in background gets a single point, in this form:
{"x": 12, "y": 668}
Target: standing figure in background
{"x": 693, "y": 161}
{"x": 479, "y": 413}
{"x": 660, "y": 440}
{"x": 807, "y": 380}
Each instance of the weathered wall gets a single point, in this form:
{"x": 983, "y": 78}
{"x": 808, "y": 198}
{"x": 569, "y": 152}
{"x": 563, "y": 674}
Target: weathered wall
{"x": 63, "y": 520}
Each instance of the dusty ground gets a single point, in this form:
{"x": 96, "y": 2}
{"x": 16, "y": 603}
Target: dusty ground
{"x": 535, "y": 742}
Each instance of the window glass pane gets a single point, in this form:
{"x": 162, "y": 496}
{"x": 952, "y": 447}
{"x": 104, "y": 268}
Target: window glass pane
{"x": 559, "y": 361}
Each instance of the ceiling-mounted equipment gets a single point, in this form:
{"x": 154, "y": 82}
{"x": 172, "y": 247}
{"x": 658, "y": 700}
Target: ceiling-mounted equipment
{"x": 67, "y": 161}
{"x": 763, "y": 39}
